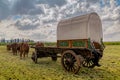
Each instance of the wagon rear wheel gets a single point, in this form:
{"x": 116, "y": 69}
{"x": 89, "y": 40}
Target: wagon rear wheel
{"x": 70, "y": 61}
{"x": 34, "y": 57}
{"x": 88, "y": 63}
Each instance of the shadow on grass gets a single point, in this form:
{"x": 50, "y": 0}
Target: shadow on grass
{"x": 44, "y": 61}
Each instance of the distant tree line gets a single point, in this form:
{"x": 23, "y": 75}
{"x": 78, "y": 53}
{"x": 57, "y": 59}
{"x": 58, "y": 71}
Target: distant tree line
{"x": 3, "y": 40}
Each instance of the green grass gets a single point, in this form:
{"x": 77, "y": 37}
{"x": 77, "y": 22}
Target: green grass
{"x": 112, "y": 43}
{"x": 13, "y": 68}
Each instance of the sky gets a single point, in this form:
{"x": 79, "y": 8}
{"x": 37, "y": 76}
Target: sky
{"x": 38, "y": 19}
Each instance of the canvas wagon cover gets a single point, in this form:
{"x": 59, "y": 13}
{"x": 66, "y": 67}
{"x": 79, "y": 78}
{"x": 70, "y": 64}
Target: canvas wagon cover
{"x": 81, "y": 27}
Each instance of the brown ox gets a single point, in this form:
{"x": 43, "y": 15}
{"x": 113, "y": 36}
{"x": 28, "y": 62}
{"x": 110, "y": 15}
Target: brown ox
{"x": 39, "y": 44}
{"x": 14, "y": 48}
{"x": 24, "y": 50}
{"x": 8, "y": 47}
{"x": 18, "y": 48}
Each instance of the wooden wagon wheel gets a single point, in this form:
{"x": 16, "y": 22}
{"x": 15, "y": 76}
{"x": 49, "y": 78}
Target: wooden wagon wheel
{"x": 34, "y": 57}
{"x": 54, "y": 57}
{"x": 70, "y": 61}
{"x": 88, "y": 63}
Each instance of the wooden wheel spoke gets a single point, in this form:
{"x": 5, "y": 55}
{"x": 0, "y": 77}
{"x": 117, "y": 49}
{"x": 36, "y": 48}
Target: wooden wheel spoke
{"x": 75, "y": 65}
{"x": 85, "y": 63}
{"x": 66, "y": 66}
{"x": 69, "y": 68}
{"x": 65, "y": 63}
{"x": 88, "y": 63}
{"x": 65, "y": 56}
{"x": 72, "y": 57}
{"x": 73, "y": 69}
{"x": 74, "y": 60}
{"x": 68, "y": 55}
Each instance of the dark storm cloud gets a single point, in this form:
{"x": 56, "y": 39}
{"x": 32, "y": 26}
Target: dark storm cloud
{"x": 92, "y": 1}
{"x": 23, "y": 6}
{"x": 36, "y": 11}
{"x": 29, "y": 6}
{"x": 26, "y": 25}
{"x": 52, "y": 3}
{"x": 4, "y": 9}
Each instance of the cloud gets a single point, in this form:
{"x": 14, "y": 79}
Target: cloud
{"x": 113, "y": 36}
{"x": 26, "y": 24}
{"x": 111, "y": 21}
{"x": 93, "y": 1}
{"x": 37, "y": 36}
{"x": 52, "y": 3}
{"x": 40, "y": 17}
{"x": 4, "y": 9}
{"x": 23, "y": 6}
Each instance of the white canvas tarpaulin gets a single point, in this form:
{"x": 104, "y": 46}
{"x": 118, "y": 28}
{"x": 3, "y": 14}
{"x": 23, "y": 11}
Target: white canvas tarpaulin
{"x": 80, "y": 27}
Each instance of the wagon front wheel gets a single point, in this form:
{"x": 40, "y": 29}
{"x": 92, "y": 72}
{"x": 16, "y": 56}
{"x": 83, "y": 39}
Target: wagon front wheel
{"x": 70, "y": 61}
{"x": 54, "y": 57}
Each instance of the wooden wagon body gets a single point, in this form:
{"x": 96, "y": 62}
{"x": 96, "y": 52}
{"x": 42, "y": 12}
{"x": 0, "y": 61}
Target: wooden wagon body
{"x": 77, "y": 39}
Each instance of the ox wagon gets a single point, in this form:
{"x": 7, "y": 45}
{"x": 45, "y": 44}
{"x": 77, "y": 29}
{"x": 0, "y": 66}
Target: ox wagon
{"x": 79, "y": 41}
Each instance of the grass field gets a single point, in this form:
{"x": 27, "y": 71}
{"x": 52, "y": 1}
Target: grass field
{"x": 13, "y": 68}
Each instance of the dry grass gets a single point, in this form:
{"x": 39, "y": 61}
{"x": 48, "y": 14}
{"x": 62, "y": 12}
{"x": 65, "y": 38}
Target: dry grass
{"x": 13, "y": 68}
